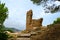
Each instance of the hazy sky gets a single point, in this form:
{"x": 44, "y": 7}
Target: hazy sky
{"x": 17, "y": 13}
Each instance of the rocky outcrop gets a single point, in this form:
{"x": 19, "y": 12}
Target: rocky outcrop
{"x": 52, "y": 33}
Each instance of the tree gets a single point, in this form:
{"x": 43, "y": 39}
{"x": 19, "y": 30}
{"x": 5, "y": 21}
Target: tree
{"x": 57, "y": 21}
{"x": 49, "y": 5}
{"x": 38, "y": 2}
{"x": 3, "y": 36}
{"x": 3, "y": 13}
{"x": 3, "y": 16}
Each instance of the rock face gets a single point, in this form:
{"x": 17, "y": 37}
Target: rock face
{"x": 32, "y": 24}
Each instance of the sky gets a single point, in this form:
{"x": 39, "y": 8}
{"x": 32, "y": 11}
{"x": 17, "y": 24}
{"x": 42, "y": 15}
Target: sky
{"x": 17, "y": 13}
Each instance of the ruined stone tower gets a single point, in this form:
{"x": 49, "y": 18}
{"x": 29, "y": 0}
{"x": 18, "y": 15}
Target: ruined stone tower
{"x": 32, "y": 24}
{"x": 28, "y": 19}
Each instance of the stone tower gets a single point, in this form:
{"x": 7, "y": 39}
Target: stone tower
{"x": 32, "y": 24}
{"x": 28, "y": 19}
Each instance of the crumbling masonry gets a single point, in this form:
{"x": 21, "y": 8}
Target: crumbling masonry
{"x": 32, "y": 24}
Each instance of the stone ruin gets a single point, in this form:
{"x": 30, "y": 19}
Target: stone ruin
{"x": 32, "y": 24}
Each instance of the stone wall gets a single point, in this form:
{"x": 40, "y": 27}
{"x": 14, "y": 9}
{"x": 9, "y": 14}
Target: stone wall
{"x": 32, "y": 23}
